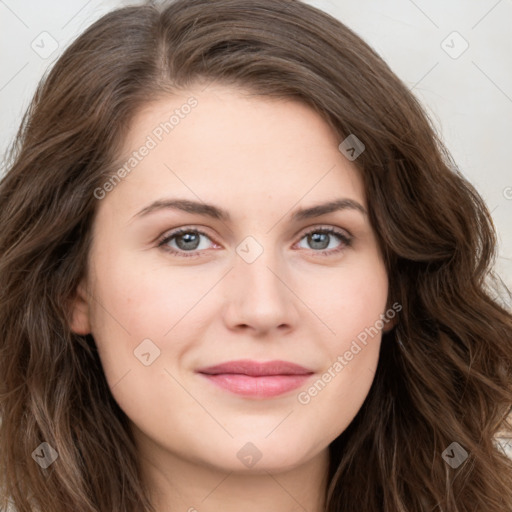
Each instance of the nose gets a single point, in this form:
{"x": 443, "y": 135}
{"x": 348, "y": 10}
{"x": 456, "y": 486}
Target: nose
{"x": 259, "y": 295}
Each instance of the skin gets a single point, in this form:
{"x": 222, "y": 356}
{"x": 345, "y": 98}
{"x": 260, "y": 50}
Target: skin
{"x": 260, "y": 159}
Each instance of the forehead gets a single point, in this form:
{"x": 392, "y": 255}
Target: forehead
{"x": 224, "y": 142}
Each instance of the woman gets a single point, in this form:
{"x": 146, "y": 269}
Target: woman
{"x": 239, "y": 269}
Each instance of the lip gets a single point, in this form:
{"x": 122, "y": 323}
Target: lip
{"x": 256, "y": 369}
{"x": 257, "y": 379}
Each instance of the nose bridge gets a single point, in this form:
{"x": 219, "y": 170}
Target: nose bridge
{"x": 257, "y": 263}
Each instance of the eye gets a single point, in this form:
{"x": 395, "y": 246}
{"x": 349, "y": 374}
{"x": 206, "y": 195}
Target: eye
{"x": 186, "y": 242}
{"x": 320, "y": 239}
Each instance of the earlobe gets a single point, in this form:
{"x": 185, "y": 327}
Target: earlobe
{"x": 391, "y": 315}
{"x": 80, "y": 314}
{"x": 390, "y": 325}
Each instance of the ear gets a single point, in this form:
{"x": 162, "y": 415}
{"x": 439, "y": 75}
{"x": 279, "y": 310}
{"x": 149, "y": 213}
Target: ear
{"x": 80, "y": 313}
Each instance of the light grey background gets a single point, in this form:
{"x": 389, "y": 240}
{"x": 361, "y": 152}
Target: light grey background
{"x": 467, "y": 91}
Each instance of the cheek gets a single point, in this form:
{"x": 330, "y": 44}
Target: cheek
{"x": 352, "y": 353}
{"x": 350, "y": 300}
{"x": 147, "y": 299}
{"x": 352, "y": 311}
{"x": 136, "y": 300}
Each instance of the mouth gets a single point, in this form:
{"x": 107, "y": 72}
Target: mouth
{"x": 255, "y": 379}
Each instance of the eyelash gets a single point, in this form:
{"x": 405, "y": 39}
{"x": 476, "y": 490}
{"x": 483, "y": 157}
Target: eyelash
{"x": 347, "y": 241}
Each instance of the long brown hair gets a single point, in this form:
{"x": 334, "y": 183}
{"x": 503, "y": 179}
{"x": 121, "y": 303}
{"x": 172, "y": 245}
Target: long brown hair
{"x": 445, "y": 370}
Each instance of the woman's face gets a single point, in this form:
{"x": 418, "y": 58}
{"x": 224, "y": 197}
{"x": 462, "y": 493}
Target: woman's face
{"x": 264, "y": 283}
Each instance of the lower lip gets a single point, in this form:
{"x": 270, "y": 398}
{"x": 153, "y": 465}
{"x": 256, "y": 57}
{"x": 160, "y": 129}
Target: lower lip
{"x": 259, "y": 387}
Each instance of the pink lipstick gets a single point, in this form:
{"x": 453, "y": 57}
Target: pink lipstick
{"x": 255, "y": 379}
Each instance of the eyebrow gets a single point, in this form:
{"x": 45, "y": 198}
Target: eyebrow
{"x": 216, "y": 212}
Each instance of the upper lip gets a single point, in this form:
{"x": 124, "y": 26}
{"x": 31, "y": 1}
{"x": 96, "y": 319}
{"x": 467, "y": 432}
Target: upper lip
{"x": 256, "y": 369}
